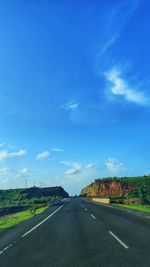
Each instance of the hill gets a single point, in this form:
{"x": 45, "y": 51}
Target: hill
{"x": 142, "y": 187}
{"x": 107, "y": 188}
{"x": 123, "y": 187}
{"x": 33, "y": 195}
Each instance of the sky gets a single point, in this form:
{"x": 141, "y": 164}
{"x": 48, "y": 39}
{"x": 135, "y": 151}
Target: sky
{"x": 74, "y": 91}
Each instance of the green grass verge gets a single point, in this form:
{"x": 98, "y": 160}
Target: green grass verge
{"x": 13, "y": 219}
{"x": 134, "y": 207}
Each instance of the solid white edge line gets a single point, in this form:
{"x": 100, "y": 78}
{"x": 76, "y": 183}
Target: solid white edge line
{"x": 36, "y": 226}
{"x": 121, "y": 242}
{"x": 1, "y": 252}
{"x": 93, "y": 216}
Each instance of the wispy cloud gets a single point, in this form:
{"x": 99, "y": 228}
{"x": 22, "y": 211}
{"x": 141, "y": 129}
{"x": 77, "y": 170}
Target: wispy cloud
{"x": 121, "y": 87}
{"x": 70, "y": 163}
{"x": 76, "y": 167}
{"x": 43, "y": 155}
{"x": 71, "y": 105}
{"x": 3, "y": 171}
{"x": 4, "y": 154}
{"x": 108, "y": 44}
{"x": 71, "y": 172}
{"x": 22, "y": 173}
{"x": 115, "y": 20}
{"x": 2, "y": 144}
{"x": 89, "y": 166}
{"x": 57, "y": 149}
{"x": 65, "y": 162}
{"x": 114, "y": 165}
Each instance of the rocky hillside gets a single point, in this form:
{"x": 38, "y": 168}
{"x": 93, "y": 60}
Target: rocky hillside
{"x": 107, "y": 188}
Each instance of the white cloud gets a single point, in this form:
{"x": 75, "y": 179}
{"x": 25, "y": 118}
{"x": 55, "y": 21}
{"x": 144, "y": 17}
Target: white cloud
{"x": 23, "y": 172}
{"x": 114, "y": 165}
{"x": 42, "y": 155}
{"x": 109, "y": 43}
{"x": 65, "y": 162}
{"x": 121, "y": 87}
{"x": 71, "y": 105}
{"x": 57, "y": 149}
{"x": 71, "y": 172}
{"x": 2, "y": 144}
{"x": 3, "y": 171}
{"x": 114, "y": 21}
{"x": 75, "y": 167}
{"x": 4, "y": 154}
{"x": 89, "y": 166}
{"x": 73, "y": 164}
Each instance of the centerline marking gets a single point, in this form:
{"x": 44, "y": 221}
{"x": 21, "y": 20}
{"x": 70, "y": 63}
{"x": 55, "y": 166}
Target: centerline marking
{"x": 121, "y": 242}
{"x": 36, "y": 226}
{"x": 93, "y": 216}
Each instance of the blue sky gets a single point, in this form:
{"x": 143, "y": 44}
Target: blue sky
{"x": 74, "y": 91}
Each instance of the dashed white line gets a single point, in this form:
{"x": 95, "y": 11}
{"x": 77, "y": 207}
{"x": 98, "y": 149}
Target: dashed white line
{"x": 36, "y": 226}
{"x": 121, "y": 242}
{"x": 93, "y": 216}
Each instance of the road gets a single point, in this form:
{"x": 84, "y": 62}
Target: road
{"x": 78, "y": 234}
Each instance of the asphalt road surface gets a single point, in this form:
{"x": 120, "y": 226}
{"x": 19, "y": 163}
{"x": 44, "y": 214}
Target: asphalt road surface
{"x": 78, "y": 234}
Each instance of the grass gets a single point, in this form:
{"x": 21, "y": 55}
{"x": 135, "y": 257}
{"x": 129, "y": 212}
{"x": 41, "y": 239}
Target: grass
{"x": 135, "y": 207}
{"x": 13, "y": 219}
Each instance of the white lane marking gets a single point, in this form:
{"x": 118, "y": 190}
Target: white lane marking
{"x": 81, "y": 205}
{"x": 10, "y": 245}
{"x": 6, "y": 248}
{"x": 36, "y": 226}
{"x": 2, "y": 251}
{"x": 121, "y": 242}
{"x": 93, "y": 216}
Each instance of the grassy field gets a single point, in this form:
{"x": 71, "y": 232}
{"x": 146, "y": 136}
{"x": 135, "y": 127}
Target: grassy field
{"x": 13, "y": 219}
{"x": 135, "y": 207}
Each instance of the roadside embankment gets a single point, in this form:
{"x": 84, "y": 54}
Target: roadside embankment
{"x": 134, "y": 207}
{"x": 13, "y": 219}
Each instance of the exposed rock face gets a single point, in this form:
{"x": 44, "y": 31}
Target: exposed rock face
{"x": 107, "y": 188}
{"x": 47, "y": 191}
